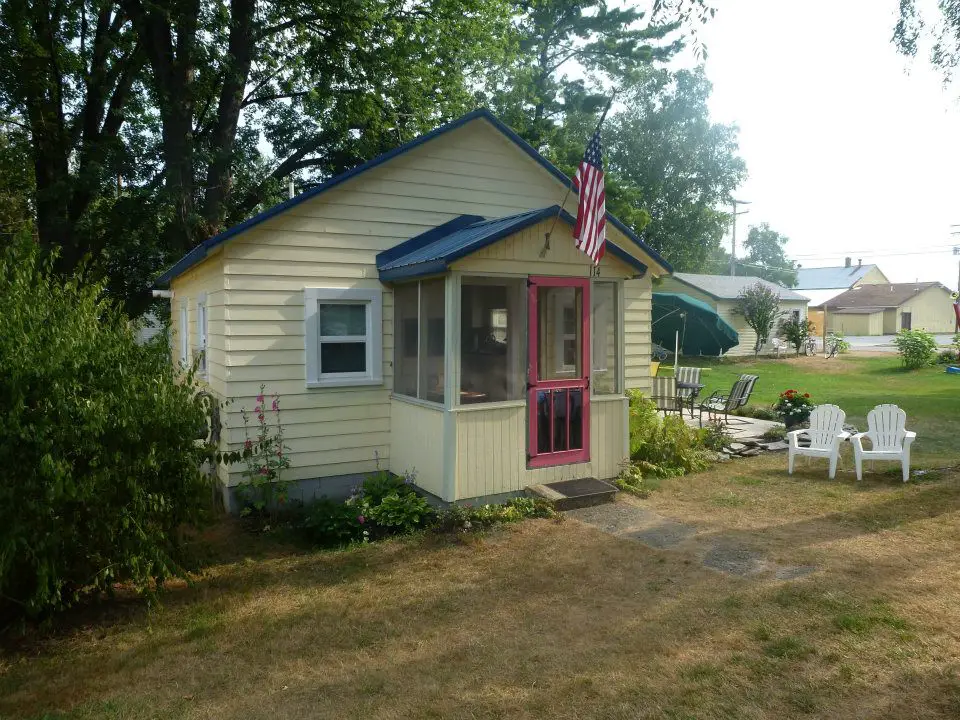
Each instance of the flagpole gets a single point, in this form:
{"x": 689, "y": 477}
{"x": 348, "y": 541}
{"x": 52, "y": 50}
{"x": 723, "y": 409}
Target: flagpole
{"x": 546, "y": 237}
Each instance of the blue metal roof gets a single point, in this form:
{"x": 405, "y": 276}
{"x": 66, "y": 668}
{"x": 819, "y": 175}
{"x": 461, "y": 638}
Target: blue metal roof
{"x": 203, "y": 249}
{"x": 828, "y": 278}
{"x": 433, "y": 251}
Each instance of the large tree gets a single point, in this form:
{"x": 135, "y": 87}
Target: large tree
{"x": 148, "y": 120}
{"x": 682, "y": 165}
{"x": 766, "y": 256}
{"x": 940, "y": 21}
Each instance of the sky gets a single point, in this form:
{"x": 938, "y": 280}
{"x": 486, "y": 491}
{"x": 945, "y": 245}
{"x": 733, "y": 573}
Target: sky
{"x": 852, "y": 149}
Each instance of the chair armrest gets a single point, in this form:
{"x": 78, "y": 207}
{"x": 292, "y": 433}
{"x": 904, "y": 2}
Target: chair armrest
{"x": 843, "y": 436}
{"x": 855, "y": 440}
{"x": 909, "y": 437}
{"x": 793, "y": 436}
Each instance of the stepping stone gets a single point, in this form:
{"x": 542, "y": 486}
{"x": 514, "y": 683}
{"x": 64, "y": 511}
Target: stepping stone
{"x": 751, "y": 452}
{"x": 665, "y": 535}
{"x": 775, "y": 446}
{"x": 734, "y": 448}
{"x": 615, "y": 518}
{"x": 735, "y": 560}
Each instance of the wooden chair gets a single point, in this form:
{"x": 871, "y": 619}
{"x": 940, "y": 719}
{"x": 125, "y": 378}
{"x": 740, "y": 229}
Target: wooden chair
{"x": 889, "y": 439}
{"x": 686, "y": 396}
{"x": 664, "y": 393}
{"x": 739, "y": 396}
{"x": 825, "y": 433}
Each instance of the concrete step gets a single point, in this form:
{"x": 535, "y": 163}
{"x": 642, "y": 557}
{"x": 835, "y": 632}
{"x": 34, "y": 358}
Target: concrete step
{"x": 571, "y": 494}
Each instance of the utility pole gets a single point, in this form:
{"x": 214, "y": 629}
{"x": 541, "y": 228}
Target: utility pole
{"x": 733, "y": 244}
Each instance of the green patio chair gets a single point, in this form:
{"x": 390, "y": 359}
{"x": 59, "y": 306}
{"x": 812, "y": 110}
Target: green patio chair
{"x": 718, "y": 403}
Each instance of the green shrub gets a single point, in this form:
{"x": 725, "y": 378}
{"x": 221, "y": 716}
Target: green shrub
{"x": 947, "y": 357}
{"x": 662, "y": 446}
{"x": 917, "y": 348}
{"x": 796, "y": 330}
{"x": 714, "y": 436}
{"x": 839, "y": 341}
{"x": 381, "y": 484}
{"x": 401, "y": 512}
{"x": 630, "y": 480}
{"x": 330, "y": 523}
{"x": 99, "y": 453}
{"x": 460, "y": 518}
{"x": 760, "y": 412}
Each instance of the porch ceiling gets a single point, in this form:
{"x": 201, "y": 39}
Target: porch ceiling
{"x": 433, "y": 252}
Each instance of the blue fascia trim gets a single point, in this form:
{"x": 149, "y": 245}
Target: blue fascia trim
{"x": 409, "y": 272}
{"x": 207, "y": 245}
{"x": 424, "y": 239}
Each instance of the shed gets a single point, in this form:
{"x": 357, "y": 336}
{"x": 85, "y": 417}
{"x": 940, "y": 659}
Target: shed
{"x": 412, "y": 317}
{"x": 721, "y": 292}
{"x": 887, "y": 308}
{"x": 821, "y": 284}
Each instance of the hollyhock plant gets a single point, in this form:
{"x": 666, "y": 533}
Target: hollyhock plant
{"x": 264, "y": 488}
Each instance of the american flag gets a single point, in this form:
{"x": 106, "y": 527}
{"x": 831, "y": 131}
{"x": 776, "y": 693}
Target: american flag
{"x": 592, "y": 208}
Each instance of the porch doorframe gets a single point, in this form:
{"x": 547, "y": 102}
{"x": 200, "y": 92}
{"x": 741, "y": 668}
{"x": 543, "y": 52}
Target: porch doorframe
{"x": 535, "y": 385}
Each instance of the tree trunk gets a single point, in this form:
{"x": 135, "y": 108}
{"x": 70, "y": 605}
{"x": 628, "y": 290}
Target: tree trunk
{"x": 228, "y": 114}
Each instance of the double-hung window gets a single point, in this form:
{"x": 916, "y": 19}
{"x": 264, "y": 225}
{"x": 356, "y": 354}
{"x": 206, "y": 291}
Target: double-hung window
{"x": 201, "y": 348}
{"x": 344, "y": 336}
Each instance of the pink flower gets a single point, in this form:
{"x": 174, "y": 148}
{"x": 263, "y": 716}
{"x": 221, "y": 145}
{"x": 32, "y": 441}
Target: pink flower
{"x": 257, "y": 409}
{"x": 248, "y": 444}
{"x": 361, "y": 519}
{"x": 276, "y": 405}
{"x": 260, "y": 398}
{"x": 260, "y": 417}
{"x": 264, "y": 471}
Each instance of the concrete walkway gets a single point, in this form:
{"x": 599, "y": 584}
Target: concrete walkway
{"x": 633, "y": 523}
{"x": 739, "y": 428}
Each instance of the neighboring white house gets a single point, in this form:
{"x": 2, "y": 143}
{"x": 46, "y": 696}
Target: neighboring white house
{"x": 721, "y": 293}
{"x": 885, "y": 309}
{"x": 412, "y": 316}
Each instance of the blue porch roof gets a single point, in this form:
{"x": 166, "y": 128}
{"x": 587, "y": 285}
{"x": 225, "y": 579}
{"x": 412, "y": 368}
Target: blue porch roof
{"x": 432, "y": 252}
{"x": 201, "y": 251}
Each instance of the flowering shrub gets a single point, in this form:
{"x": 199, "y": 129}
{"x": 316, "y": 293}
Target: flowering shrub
{"x": 794, "y": 407}
{"x": 264, "y": 487}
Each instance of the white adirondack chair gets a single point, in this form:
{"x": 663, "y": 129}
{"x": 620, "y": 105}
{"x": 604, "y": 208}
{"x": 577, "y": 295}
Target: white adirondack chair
{"x": 888, "y": 436}
{"x": 825, "y": 433}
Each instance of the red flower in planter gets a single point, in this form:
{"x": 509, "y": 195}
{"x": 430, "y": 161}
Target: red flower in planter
{"x": 806, "y": 395}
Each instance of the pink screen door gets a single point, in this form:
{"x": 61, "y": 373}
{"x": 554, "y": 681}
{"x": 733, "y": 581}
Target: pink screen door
{"x": 558, "y": 371}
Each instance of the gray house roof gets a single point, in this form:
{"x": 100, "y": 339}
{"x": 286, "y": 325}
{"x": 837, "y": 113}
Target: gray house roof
{"x": 880, "y": 297}
{"x": 726, "y": 287}
{"x": 822, "y": 278}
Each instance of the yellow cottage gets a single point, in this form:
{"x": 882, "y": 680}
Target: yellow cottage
{"x": 412, "y": 316}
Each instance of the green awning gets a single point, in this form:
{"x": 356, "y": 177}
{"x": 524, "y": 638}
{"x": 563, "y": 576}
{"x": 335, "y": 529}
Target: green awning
{"x": 702, "y": 330}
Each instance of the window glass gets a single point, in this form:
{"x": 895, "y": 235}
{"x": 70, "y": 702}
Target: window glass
{"x": 492, "y": 340}
{"x": 343, "y": 357}
{"x": 201, "y": 349}
{"x": 604, "y": 338}
{"x": 405, "y": 299}
{"x": 338, "y": 319}
{"x": 559, "y": 341}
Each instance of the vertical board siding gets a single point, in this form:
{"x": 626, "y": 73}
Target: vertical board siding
{"x": 416, "y": 438}
{"x": 491, "y": 451}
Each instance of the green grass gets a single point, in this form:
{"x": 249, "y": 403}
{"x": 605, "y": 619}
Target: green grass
{"x": 930, "y": 397}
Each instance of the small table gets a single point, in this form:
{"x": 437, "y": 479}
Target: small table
{"x": 695, "y": 388}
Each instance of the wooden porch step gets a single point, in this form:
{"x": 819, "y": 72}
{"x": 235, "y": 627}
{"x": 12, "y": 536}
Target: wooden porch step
{"x": 571, "y": 494}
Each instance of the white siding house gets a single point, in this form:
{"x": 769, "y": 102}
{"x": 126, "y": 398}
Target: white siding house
{"x": 394, "y": 310}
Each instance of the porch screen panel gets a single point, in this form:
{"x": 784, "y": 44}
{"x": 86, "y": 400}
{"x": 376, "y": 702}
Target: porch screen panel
{"x": 432, "y": 307}
{"x": 406, "y": 339}
{"x": 492, "y": 342}
{"x": 604, "y": 339}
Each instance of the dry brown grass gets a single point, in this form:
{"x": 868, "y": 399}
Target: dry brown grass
{"x": 552, "y": 620}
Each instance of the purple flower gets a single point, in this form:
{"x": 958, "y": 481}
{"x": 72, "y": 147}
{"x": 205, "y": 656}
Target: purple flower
{"x": 264, "y": 471}
{"x": 361, "y": 519}
{"x": 260, "y": 398}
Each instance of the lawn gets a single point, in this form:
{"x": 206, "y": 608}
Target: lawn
{"x": 858, "y": 382}
{"x": 547, "y": 619}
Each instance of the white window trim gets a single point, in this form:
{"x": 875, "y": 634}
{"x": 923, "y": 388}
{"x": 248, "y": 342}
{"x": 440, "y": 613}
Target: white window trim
{"x": 184, "y": 334}
{"x": 202, "y": 334}
{"x": 373, "y": 299}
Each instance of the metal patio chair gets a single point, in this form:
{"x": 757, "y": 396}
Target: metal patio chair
{"x": 718, "y": 404}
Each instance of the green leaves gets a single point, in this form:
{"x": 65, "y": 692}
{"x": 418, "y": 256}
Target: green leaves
{"x": 760, "y": 307}
{"x": 98, "y": 473}
{"x": 917, "y": 348}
